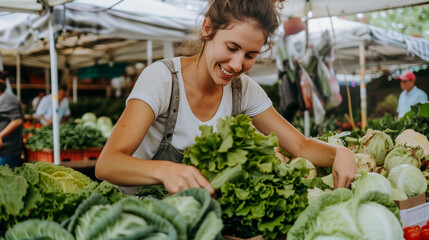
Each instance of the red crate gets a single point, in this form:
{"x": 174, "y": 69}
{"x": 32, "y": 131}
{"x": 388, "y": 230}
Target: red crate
{"x": 68, "y": 155}
{"x": 92, "y": 153}
{"x": 32, "y": 155}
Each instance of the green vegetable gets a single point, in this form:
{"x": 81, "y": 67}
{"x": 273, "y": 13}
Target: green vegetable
{"x": 364, "y": 162}
{"x": 258, "y": 194}
{"x": 370, "y": 181}
{"x": 38, "y": 229}
{"x": 409, "y": 179}
{"x": 377, "y": 144}
{"x": 403, "y": 155}
{"x": 398, "y": 194}
{"x": 89, "y": 117}
{"x": 341, "y": 215}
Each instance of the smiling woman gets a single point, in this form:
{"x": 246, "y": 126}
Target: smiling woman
{"x": 172, "y": 98}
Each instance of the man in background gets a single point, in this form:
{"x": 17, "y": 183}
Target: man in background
{"x": 11, "y": 120}
{"x": 410, "y": 95}
{"x": 44, "y": 110}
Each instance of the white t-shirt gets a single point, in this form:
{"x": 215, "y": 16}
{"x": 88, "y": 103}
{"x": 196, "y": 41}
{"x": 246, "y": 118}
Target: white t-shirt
{"x": 45, "y": 108}
{"x": 154, "y": 88}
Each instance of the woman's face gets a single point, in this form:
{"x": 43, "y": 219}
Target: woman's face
{"x": 233, "y": 50}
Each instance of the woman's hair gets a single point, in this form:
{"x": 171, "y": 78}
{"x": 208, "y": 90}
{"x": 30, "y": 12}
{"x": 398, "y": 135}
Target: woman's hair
{"x": 224, "y": 12}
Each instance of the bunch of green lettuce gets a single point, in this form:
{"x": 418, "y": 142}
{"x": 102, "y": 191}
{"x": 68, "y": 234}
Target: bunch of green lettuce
{"x": 342, "y": 215}
{"x": 258, "y": 193}
{"x": 45, "y": 191}
{"x": 190, "y": 214}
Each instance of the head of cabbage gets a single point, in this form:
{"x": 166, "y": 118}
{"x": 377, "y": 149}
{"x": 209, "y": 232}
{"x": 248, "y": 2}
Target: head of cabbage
{"x": 377, "y": 144}
{"x": 409, "y": 179}
{"x": 312, "y": 173}
{"x": 370, "y": 181}
{"x": 342, "y": 215}
{"x": 364, "y": 162}
{"x": 403, "y": 155}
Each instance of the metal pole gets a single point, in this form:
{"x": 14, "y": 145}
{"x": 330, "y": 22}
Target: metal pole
{"x": 54, "y": 89}
{"x": 18, "y": 76}
{"x": 362, "y": 84}
{"x": 74, "y": 89}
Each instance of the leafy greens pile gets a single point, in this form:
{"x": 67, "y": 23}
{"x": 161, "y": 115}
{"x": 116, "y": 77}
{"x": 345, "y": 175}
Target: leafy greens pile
{"x": 190, "y": 214}
{"x": 45, "y": 191}
{"x": 258, "y": 193}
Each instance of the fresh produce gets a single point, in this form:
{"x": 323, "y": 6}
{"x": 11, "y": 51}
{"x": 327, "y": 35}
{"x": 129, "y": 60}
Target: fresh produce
{"x": 370, "y": 181}
{"x": 409, "y": 179}
{"x": 96, "y": 218}
{"x": 310, "y": 166}
{"x": 377, "y": 144}
{"x": 398, "y": 194}
{"x": 413, "y": 139}
{"x": 403, "y": 155}
{"x": 258, "y": 193}
{"x": 416, "y": 232}
{"x": 45, "y": 191}
{"x": 72, "y": 136}
{"x": 342, "y": 215}
{"x": 364, "y": 162}
{"x": 102, "y": 123}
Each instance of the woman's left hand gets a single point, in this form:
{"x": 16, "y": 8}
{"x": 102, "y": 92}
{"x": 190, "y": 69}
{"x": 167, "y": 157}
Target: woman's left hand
{"x": 343, "y": 168}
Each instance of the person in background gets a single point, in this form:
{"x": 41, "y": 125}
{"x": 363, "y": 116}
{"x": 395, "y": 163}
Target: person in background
{"x": 36, "y": 100}
{"x": 211, "y": 85}
{"x": 44, "y": 110}
{"x": 410, "y": 95}
{"x": 11, "y": 119}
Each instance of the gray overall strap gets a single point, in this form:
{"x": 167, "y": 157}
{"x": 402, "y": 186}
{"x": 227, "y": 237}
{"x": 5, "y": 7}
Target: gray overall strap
{"x": 236, "y": 97}
{"x": 173, "y": 108}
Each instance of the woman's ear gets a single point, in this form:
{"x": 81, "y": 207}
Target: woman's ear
{"x": 206, "y": 27}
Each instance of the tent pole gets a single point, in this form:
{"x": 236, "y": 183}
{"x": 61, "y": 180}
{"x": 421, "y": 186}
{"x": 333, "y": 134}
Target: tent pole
{"x": 54, "y": 89}
{"x": 74, "y": 88}
{"x": 18, "y": 76}
{"x": 149, "y": 52}
{"x": 362, "y": 84}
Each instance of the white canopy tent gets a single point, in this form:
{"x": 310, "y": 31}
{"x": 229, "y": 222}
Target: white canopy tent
{"x": 123, "y": 25}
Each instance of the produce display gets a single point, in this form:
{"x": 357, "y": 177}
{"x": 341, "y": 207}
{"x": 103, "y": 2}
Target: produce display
{"x": 258, "y": 194}
{"x": 55, "y": 202}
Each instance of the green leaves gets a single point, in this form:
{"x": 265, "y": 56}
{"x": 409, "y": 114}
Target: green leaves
{"x": 257, "y": 193}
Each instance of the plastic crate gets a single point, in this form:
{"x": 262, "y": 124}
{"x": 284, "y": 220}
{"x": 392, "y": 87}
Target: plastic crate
{"x": 417, "y": 215}
{"x": 91, "y": 153}
{"x": 31, "y": 155}
{"x": 68, "y": 155}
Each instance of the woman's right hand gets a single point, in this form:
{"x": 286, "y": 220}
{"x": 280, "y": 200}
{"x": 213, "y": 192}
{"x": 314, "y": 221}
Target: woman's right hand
{"x": 177, "y": 177}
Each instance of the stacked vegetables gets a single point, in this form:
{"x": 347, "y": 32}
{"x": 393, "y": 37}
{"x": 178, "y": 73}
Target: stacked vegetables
{"x": 258, "y": 193}
{"x": 45, "y": 191}
{"x": 190, "y": 214}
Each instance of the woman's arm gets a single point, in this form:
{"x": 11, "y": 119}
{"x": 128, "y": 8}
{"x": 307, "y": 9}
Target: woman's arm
{"x": 320, "y": 153}
{"x": 117, "y": 165}
{"x": 10, "y": 128}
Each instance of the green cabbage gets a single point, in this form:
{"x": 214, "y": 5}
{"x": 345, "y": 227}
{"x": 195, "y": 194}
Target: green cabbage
{"x": 342, "y": 215}
{"x": 89, "y": 117}
{"x": 408, "y": 178}
{"x": 370, "y": 181}
{"x": 398, "y": 194}
{"x": 377, "y": 144}
{"x": 187, "y": 206}
{"x": 38, "y": 229}
{"x": 364, "y": 162}
{"x": 312, "y": 169}
{"x": 403, "y": 155}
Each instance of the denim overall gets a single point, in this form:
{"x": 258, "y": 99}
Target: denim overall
{"x": 166, "y": 151}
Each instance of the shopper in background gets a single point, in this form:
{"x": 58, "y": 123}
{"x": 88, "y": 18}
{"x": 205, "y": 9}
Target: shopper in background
{"x": 410, "y": 95}
{"x": 44, "y": 110}
{"x": 212, "y": 85}
{"x": 11, "y": 120}
{"x": 36, "y": 100}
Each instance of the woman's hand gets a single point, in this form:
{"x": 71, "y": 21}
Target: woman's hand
{"x": 177, "y": 177}
{"x": 343, "y": 168}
